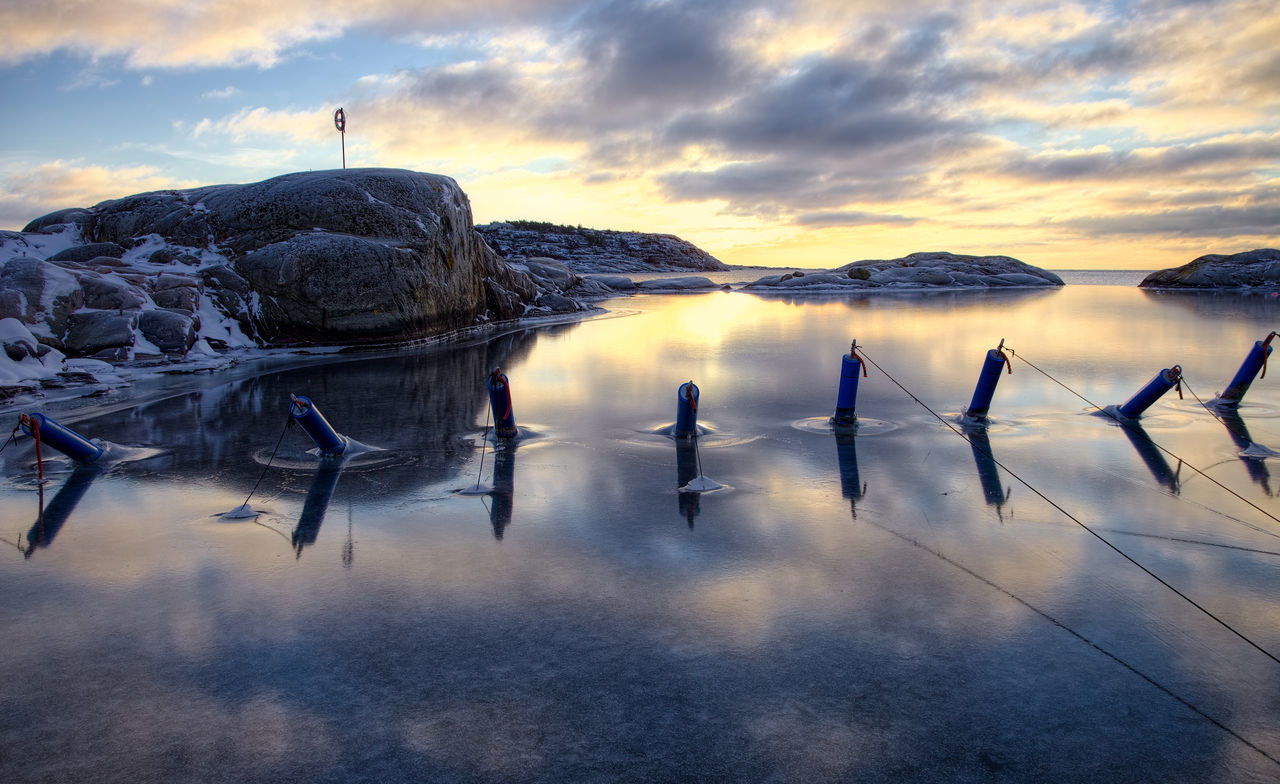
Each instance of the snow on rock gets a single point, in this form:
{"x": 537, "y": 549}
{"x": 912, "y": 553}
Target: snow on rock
{"x": 315, "y": 258}
{"x": 331, "y": 257}
{"x": 936, "y": 269}
{"x": 1251, "y": 269}
{"x": 694, "y": 283}
{"x": 613, "y": 282}
{"x": 592, "y": 250}
{"x": 24, "y": 360}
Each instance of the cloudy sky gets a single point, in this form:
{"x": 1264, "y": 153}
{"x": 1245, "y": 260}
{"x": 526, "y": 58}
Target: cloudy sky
{"x": 1124, "y": 134}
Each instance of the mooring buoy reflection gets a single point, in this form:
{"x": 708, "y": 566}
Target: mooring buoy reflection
{"x": 988, "y": 471}
{"x": 51, "y": 518}
{"x": 317, "y": 503}
{"x": 686, "y": 471}
{"x": 851, "y": 484}
{"x": 504, "y": 488}
{"x": 1255, "y": 465}
{"x": 1153, "y": 457}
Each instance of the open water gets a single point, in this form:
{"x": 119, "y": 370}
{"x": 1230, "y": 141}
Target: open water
{"x": 899, "y": 603}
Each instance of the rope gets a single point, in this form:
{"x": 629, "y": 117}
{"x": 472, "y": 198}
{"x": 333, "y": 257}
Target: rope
{"x": 1208, "y": 407}
{"x": 484, "y": 444}
{"x": 1181, "y": 380}
{"x": 1076, "y": 520}
{"x": 1059, "y": 383}
{"x": 853, "y": 352}
{"x": 1051, "y": 619}
{"x": 506, "y": 388}
{"x": 287, "y": 421}
{"x": 13, "y": 437}
{"x": 498, "y": 382}
{"x": 688, "y": 395}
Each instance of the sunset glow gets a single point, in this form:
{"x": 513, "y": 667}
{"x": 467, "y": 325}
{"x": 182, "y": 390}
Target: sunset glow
{"x": 805, "y": 133}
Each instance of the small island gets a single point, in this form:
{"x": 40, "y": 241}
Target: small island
{"x": 1258, "y": 268}
{"x": 932, "y": 269}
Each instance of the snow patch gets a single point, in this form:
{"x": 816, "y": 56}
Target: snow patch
{"x": 15, "y": 338}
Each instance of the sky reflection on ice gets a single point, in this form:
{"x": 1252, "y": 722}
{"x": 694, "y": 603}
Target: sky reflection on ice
{"x": 833, "y": 616}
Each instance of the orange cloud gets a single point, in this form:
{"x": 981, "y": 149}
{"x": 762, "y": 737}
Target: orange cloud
{"x": 28, "y": 194}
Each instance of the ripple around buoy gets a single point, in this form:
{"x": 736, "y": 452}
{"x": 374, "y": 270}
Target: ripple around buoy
{"x": 489, "y": 438}
{"x": 988, "y": 424}
{"x": 1161, "y": 420}
{"x": 1249, "y": 411}
{"x": 661, "y": 436}
{"x": 862, "y": 427}
{"x": 668, "y": 430}
{"x": 116, "y": 454}
{"x": 355, "y": 457}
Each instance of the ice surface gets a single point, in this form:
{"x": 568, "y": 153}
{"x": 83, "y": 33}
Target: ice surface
{"x": 867, "y": 604}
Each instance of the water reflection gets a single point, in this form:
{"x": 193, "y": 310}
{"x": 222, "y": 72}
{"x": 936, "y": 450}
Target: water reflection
{"x": 686, "y": 471}
{"x": 945, "y": 299}
{"x": 779, "y": 642}
{"x": 988, "y": 471}
{"x": 1237, "y": 303}
{"x": 851, "y": 484}
{"x": 418, "y": 406}
{"x": 502, "y": 497}
{"x": 317, "y": 503}
{"x": 1256, "y": 466}
{"x": 1153, "y": 457}
{"x": 50, "y": 519}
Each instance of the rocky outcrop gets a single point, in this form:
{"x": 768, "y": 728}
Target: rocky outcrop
{"x": 332, "y": 257}
{"x": 937, "y": 269}
{"x": 1251, "y": 269}
{"x": 591, "y": 250}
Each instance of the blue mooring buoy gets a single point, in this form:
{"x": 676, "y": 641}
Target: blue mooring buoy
{"x": 61, "y": 438}
{"x": 1157, "y": 386}
{"x": 686, "y": 411}
{"x": 851, "y": 368}
{"x": 1257, "y": 360}
{"x": 987, "y": 380}
{"x": 504, "y": 418}
{"x": 309, "y": 417}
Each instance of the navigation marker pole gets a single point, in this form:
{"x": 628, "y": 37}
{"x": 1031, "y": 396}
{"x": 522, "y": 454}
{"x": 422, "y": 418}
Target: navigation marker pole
{"x": 340, "y": 122}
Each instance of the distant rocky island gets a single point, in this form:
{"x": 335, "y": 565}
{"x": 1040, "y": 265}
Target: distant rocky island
{"x": 1250, "y": 269}
{"x": 594, "y": 250}
{"x": 931, "y": 269}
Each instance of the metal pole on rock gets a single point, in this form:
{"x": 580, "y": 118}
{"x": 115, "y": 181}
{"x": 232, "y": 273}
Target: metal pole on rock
{"x": 340, "y": 122}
